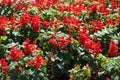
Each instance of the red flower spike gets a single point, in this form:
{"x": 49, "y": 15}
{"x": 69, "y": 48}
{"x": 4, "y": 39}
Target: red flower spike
{"x": 15, "y": 53}
{"x": 24, "y": 19}
{"x": 93, "y": 7}
{"x": 35, "y": 23}
{"x": 36, "y": 62}
{"x": 113, "y": 4}
{"x": 29, "y": 48}
{"x": 109, "y": 21}
{"x": 53, "y": 42}
{"x": 113, "y": 49}
{"x": 8, "y": 2}
{"x": 46, "y": 24}
{"x": 76, "y": 8}
{"x": 4, "y": 65}
{"x": 3, "y": 22}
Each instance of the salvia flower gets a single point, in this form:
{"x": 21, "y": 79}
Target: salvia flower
{"x": 36, "y": 62}
{"x": 113, "y": 49}
{"x": 3, "y": 65}
{"x": 35, "y": 23}
{"x": 29, "y": 48}
{"x": 15, "y": 54}
{"x": 24, "y": 19}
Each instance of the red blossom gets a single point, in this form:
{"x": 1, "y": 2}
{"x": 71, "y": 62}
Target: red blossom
{"x": 12, "y": 20}
{"x": 15, "y": 53}
{"x": 83, "y": 36}
{"x": 93, "y": 7}
{"x": 24, "y": 19}
{"x": 76, "y": 8}
{"x": 53, "y": 42}
{"x": 18, "y": 6}
{"x": 8, "y": 2}
{"x": 62, "y": 42}
{"x": 113, "y": 4}
{"x": 35, "y": 23}
{"x": 29, "y": 48}
{"x": 46, "y": 24}
{"x": 71, "y": 21}
{"x": 3, "y": 22}
{"x": 101, "y": 2}
{"x": 4, "y": 65}
{"x": 87, "y": 43}
{"x": 109, "y": 21}
{"x": 97, "y": 25}
{"x": 44, "y": 4}
{"x": 113, "y": 49}
{"x": 118, "y": 20}
{"x": 61, "y": 9}
{"x": 103, "y": 10}
{"x": 36, "y": 62}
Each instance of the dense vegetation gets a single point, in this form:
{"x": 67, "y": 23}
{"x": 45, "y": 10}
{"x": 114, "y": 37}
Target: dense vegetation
{"x": 59, "y": 40}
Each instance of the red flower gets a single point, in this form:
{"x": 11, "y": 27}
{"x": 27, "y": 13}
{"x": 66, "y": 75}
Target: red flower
{"x": 89, "y": 44}
{"x": 113, "y": 4}
{"x": 61, "y": 9}
{"x": 3, "y": 22}
{"x": 24, "y": 19}
{"x": 92, "y": 47}
{"x": 53, "y": 42}
{"x": 103, "y": 10}
{"x": 96, "y": 48}
{"x": 97, "y": 25}
{"x": 4, "y": 65}
{"x": 93, "y": 7}
{"x": 15, "y": 53}
{"x": 101, "y": 2}
{"x": 76, "y": 8}
{"x": 42, "y": 4}
{"x": 71, "y": 21}
{"x": 110, "y": 21}
{"x": 62, "y": 42}
{"x": 35, "y": 23}
{"x": 46, "y": 24}
{"x": 118, "y": 20}
{"x": 113, "y": 49}
{"x": 8, "y": 2}
{"x": 12, "y": 20}
{"x": 36, "y": 62}
{"x": 18, "y": 6}
{"x": 83, "y": 36}
{"x": 29, "y": 48}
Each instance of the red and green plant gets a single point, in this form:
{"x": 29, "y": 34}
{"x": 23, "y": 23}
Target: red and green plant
{"x": 59, "y": 40}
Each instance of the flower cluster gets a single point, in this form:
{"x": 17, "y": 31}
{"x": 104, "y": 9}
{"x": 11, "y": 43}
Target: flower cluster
{"x": 4, "y": 65}
{"x": 15, "y": 53}
{"x": 89, "y": 44}
{"x": 45, "y": 39}
{"x": 36, "y": 62}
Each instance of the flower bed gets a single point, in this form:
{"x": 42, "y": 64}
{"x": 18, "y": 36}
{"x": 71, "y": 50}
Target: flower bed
{"x": 59, "y": 40}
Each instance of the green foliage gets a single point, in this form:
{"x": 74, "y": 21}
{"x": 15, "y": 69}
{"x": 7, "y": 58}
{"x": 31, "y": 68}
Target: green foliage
{"x": 78, "y": 73}
{"x": 109, "y": 66}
